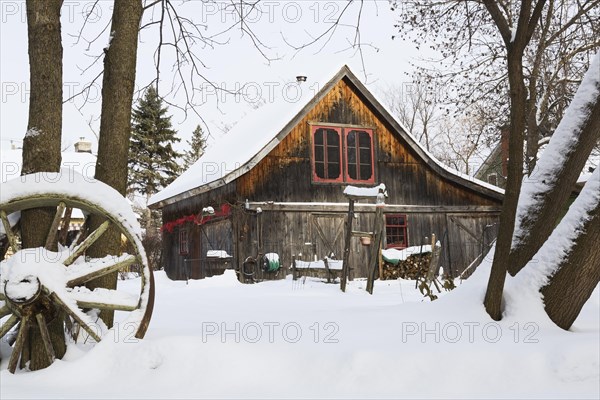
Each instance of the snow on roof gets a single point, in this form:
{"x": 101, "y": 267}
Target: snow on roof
{"x": 12, "y": 160}
{"x": 240, "y": 149}
{"x": 234, "y": 149}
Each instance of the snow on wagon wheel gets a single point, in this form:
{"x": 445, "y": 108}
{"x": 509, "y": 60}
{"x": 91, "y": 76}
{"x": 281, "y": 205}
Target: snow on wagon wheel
{"x": 39, "y": 285}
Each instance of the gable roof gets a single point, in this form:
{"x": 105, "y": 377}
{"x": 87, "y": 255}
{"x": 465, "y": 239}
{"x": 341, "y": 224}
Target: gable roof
{"x": 244, "y": 146}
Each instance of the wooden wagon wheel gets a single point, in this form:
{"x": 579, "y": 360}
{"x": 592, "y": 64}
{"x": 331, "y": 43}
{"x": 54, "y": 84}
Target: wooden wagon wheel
{"x": 39, "y": 285}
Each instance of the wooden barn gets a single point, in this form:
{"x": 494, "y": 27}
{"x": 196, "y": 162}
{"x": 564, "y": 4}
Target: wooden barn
{"x": 274, "y": 185}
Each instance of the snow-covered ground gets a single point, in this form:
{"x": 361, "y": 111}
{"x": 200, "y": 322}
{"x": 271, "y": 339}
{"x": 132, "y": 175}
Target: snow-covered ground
{"x": 217, "y": 338}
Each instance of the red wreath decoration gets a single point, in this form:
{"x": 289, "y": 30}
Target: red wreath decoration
{"x": 198, "y": 219}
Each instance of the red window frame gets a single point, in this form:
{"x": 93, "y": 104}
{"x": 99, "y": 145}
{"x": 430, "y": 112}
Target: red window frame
{"x": 317, "y": 178}
{"x": 183, "y": 241}
{"x": 357, "y": 156}
{"x": 402, "y": 229}
{"x": 344, "y": 155}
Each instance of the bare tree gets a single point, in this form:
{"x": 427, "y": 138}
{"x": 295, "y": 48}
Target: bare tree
{"x": 416, "y": 106}
{"x": 472, "y": 58}
{"x": 460, "y": 142}
{"x": 523, "y": 29}
{"x": 115, "y": 123}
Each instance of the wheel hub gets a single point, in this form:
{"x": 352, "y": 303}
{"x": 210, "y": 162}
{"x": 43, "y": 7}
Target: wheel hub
{"x": 23, "y": 288}
{"x": 24, "y": 291}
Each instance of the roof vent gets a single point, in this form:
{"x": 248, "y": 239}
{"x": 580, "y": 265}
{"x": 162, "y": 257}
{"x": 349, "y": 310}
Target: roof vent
{"x": 301, "y": 78}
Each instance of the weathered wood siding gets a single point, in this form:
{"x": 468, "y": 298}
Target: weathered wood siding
{"x": 285, "y": 175}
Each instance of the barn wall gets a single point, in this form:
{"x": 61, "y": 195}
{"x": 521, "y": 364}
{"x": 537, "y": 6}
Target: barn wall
{"x": 284, "y": 175}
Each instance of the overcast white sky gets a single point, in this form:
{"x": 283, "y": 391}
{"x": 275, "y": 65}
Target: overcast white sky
{"x": 231, "y": 65}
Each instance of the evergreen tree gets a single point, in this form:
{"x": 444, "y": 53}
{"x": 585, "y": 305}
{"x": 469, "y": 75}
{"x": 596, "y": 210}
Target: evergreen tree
{"x": 196, "y": 147}
{"x": 152, "y": 159}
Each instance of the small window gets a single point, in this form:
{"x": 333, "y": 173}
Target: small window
{"x": 183, "y": 241}
{"x": 396, "y": 233}
{"x": 493, "y": 179}
{"x": 327, "y": 154}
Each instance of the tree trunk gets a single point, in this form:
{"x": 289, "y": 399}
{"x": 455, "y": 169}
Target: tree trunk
{"x": 41, "y": 146}
{"x": 577, "y": 275}
{"x": 516, "y": 42}
{"x": 518, "y": 98}
{"x": 538, "y": 221}
{"x": 148, "y": 216}
{"x": 115, "y": 122}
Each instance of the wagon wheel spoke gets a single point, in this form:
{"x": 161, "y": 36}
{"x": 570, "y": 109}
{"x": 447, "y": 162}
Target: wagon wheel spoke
{"x": 80, "y": 235}
{"x": 8, "y": 325}
{"x": 64, "y": 226}
{"x": 4, "y": 311}
{"x": 82, "y": 319}
{"x": 81, "y": 274}
{"x": 12, "y": 239}
{"x": 41, "y": 321}
{"x": 80, "y": 249}
{"x": 53, "y": 232}
{"x": 11, "y": 336}
{"x": 18, "y": 347}
{"x": 105, "y": 299}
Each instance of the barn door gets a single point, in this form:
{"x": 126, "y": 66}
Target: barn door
{"x": 215, "y": 236}
{"x": 328, "y": 235}
{"x": 469, "y": 237}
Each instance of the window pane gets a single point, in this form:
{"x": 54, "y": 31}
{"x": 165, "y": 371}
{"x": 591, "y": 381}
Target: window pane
{"x": 332, "y": 137}
{"x": 365, "y": 156}
{"x": 320, "y": 170}
{"x": 351, "y": 139}
{"x": 364, "y": 140}
{"x": 365, "y": 172}
{"x": 351, "y": 156}
{"x": 333, "y": 154}
{"x": 333, "y": 171}
{"x": 352, "y": 171}
{"x": 319, "y": 136}
{"x": 319, "y": 154}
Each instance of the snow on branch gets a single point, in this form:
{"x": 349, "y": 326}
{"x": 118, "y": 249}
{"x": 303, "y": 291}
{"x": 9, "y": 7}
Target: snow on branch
{"x": 563, "y": 143}
{"x": 560, "y": 243}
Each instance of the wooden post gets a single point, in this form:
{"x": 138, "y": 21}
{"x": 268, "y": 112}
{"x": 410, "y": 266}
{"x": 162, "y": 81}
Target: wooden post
{"x": 433, "y": 262}
{"x": 381, "y": 260}
{"x": 327, "y": 269}
{"x": 347, "y": 243}
{"x": 376, "y": 248}
{"x": 294, "y": 269}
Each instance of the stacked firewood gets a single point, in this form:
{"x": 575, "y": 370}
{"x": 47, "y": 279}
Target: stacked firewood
{"x": 413, "y": 267}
